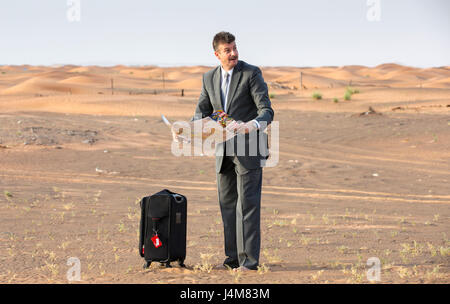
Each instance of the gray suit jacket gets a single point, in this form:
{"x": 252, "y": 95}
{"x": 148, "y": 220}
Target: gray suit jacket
{"x": 248, "y": 99}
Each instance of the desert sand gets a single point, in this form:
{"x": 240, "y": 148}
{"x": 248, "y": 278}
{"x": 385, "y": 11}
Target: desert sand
{"x": 357, "y": 178}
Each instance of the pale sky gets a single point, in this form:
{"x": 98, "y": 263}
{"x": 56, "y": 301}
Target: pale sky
{"x": 268, "y": 33}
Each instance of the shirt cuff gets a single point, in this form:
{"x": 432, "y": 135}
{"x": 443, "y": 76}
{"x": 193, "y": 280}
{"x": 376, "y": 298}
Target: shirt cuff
{"x": 257, "y": 124}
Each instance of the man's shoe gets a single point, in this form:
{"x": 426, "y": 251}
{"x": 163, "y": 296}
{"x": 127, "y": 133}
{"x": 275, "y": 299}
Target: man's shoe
{"x": 243, "y": 269}
{"x": 230, "y": 263}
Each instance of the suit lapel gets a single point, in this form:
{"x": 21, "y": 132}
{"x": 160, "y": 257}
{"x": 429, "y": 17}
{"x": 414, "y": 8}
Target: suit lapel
{"x": 217, "y": 95}
{"x": 235, "y": 78}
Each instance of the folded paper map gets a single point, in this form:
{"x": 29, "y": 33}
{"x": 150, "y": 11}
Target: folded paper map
{"x": 212, "y": 127}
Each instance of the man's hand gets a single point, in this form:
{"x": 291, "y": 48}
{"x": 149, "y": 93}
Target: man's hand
{"x": 176, "y": 131}
{"x": 241, "y": 127}
{"x": 175, "y": 134}
{"x": 248, "y": 127}
{"x": 234, "y": 126}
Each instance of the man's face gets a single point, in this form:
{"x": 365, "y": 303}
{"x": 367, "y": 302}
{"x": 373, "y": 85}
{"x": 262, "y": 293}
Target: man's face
{"x": 227, "y": 54}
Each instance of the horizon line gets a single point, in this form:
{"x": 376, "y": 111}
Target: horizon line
{"x": 106, "y": 65}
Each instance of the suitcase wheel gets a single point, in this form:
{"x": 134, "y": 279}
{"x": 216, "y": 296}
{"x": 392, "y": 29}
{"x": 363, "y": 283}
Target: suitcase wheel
{"x": 146, "y": 265}
{"x": 166, "y": 264}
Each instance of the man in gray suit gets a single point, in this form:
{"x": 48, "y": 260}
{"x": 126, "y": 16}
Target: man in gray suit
{"x": 238, "y": 89}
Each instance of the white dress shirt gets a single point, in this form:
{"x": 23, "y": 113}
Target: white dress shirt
{"x": 225, "y": 102}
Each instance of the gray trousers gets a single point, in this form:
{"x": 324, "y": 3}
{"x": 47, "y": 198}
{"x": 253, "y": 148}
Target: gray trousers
{"x": 239, "y": 192}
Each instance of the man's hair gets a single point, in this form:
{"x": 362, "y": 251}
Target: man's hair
{"x": 222, "y": 37}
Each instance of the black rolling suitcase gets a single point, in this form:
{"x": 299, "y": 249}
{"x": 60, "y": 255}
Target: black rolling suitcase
{"x": 163, "y": 228}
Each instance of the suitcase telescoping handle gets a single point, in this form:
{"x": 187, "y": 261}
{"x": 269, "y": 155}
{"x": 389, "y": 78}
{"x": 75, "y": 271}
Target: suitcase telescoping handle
{"x": 155, "y": 238}
{"x": 155, "y": 225}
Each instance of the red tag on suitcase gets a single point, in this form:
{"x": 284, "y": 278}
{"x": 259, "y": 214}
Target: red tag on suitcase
{"x": 156, "y": 241}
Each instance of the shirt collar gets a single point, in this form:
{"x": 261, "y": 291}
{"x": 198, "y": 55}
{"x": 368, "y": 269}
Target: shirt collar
{"x": 230, "y": 72}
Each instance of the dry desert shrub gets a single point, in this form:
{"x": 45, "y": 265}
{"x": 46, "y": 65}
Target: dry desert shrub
{"x": 205, "y": 264}
{"x": 317, "y": 95}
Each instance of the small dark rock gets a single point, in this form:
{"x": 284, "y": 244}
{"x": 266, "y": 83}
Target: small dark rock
{"x": 89, "y": 141}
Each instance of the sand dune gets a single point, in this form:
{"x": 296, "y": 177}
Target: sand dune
{"x": 385, "y": 87}
{"x": 440, "y": 83}
{"x": 86, "y": 79}
{"x": 79, "y": 70}
{"x": 190, "y": 83}
{"x": 79, "y": 79}
{"x": 40, "y": 85}
{"x": 389, "y": 66}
